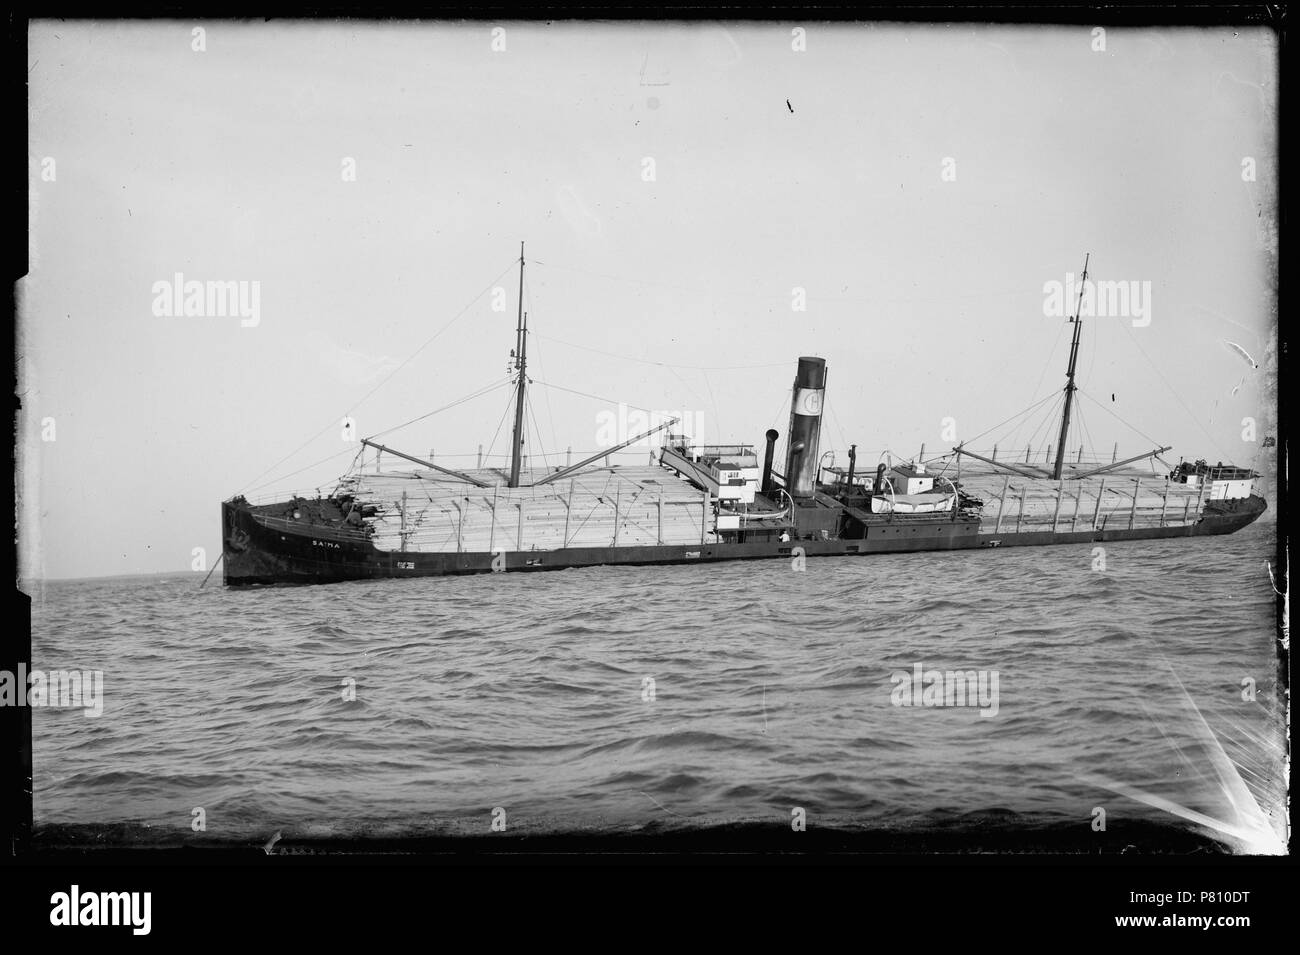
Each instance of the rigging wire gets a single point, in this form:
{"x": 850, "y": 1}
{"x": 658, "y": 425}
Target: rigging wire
{"x": 331, "y": 457}
{"x": 663, "y": 364}
{"x": 584, "y": 394}
{"x": 550, "y": 412}
{"x": 1017, "y": 292}
{"x": 1118, "y": 418}
{"x": 785, "y": 400}
{"x": 389, "y": 376}
{"x": 836, "y": 418}
{"x": 1176, "y": 395}
{"x": 778, "y": 450}
{"x": 689, "y": 387}
{"x": 717, "y": 423}
{"x": 1043, "y": 400}
{"x": 361, "y": 451}
{"x": 495, "y": 433}
{"x": 1092, "y": 360}
{"x": 1043, "y": 374}
{"x": 1086, "y": 435}
{"x": 459, "y": 401}
{"x": 1048, "y": 420}
{"x": 1014, "y": 441}
{"x": 546, "y": 458}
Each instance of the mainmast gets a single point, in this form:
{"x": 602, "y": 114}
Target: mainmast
{"x": 1069, "y": 374}
{"x": 521, "y": 365}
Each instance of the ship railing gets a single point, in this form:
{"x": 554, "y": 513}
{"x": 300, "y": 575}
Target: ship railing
{"x": 283, "y": 497}
{"x": 1118, "y": 506}
{"x": 538, "y": 462}
{"x": 317, "y": 530}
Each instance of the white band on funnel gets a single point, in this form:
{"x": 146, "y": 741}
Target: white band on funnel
{"x": 808, "y": 401}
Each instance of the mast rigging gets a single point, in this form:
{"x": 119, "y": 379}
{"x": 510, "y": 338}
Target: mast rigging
{"x": 521, "y": 364}
{"x": 1069, "y": 375}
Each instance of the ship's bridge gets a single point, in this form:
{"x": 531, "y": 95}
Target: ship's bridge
{"x": 1226, "y": 482}
{"x": 729, "y": 471}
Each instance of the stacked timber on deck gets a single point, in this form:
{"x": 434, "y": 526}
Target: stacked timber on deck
{"x": 1115, "y": 500}
{"x": 424, "y": 511}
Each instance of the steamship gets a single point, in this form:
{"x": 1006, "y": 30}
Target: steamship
{"x": 699, "y": 503}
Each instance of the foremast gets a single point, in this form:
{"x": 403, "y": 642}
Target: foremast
{"x": 520, "y": 356}
{"x": 1069, "y": 374}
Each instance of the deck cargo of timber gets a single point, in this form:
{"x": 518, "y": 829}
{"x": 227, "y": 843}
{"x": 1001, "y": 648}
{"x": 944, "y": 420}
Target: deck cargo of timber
{"x": 699, "y": 503}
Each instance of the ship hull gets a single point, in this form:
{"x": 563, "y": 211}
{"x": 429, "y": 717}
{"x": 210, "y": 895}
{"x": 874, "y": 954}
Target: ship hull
{"x": 258, "y": 551}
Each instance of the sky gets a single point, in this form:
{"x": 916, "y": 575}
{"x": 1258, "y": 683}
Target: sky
{"x": 682, "y": 190}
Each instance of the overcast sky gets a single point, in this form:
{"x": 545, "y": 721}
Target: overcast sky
{"x": 921, "y": 184}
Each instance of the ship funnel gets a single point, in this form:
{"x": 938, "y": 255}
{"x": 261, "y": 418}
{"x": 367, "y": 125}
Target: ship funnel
{"x": 880, "y": 478}
{"x": 802, "y": 460}
{"x": 772, "y": 435}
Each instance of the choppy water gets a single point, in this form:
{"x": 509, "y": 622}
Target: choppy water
{"x": 771, "y": 690}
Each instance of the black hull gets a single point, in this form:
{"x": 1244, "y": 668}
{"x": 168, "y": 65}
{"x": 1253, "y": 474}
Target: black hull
{"x": 258, "y": 551}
